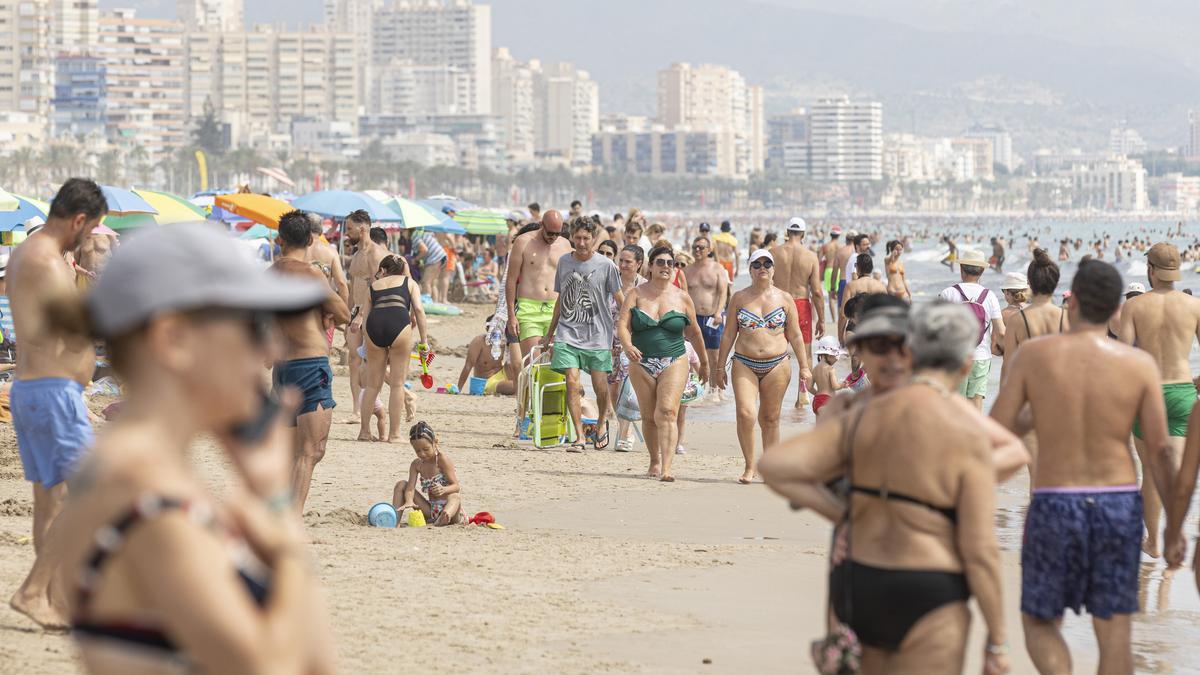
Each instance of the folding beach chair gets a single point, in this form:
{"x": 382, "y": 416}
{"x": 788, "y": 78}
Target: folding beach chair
{"x": 543, "y": 393}
{"x": 8, "y": 340}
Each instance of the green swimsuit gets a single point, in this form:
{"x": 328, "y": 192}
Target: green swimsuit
{"x": 661, "y": 341}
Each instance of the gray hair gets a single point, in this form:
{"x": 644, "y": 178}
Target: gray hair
{"x": 942, "y": 336}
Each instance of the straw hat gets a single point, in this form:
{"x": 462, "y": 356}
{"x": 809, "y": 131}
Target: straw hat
{"x": 971, "y": 258}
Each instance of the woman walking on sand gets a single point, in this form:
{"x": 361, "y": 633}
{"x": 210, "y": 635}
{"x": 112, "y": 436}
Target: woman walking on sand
{"x": 763, "y": 324}
{"x": 393, "y": 309}
{"x": 652, "y": 324}
{"x": 629, "y": 260}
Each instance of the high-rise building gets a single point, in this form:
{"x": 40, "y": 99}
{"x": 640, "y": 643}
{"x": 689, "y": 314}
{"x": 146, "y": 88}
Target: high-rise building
{"x": 355, "y": 17}
{"x": 1125, "y": 141}
{"x": 847, "y": 140}
{"x": 566, "y": 112}
{"x": 715, "y": 98}
{"x": 26, "y": 63}
{"x": 978, "y": 153}
{"x": 512, "y": 103}
{"x": 80, "y": 97}
{"x": 1193, "y": 145}
{"x": 790, "y": 128}
{"x": 144, "y": 62}
{"x": 209, "y": 14}
{"x": 75, "y": 26}
{"x": 1178, "y": 192}
{"x": 1112, "y": 184}
{"x": 405, "y": 88}
{"x": 447, "y": 33}
{"x": 1002, "y": 152}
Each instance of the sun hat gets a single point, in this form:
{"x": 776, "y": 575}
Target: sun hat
{"x": 3, "y": 265}
{"x": 1165, "y": 259}
{"x": 827, "y": 345}
{"x": 796, "y": 224}
{"x": 34, "y": 224}
{"x": 1014, "y": 281}
{"x": 189, "y": 267}
{"x": 971, "y": 258}
{"x": 881, "y": 322}
{"x": 761, "y": 253}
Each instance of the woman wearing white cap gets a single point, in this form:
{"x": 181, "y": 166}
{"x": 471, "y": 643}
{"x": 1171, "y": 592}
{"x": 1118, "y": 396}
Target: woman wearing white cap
{"x": 1041, "y": 316}
{"x": 160, "y": 579}
{"x": 1016, "y": 296}
{"x": 765, "y": 324}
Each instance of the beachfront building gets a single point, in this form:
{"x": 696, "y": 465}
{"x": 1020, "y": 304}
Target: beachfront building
{"x": 666, "y": 152}
{"x": 1192, "y": 150}
{"x": 790, "y": 130}
{"x": 715, "y": 98}
{"x": 847, "y": 140}
{"x": 216, "y": 15}
{"x": 1180, "y": 193}
{"x": 566, "y": 113}
{"x": 1001, "y": 140}
{"x": 452, "y": 34}
{"x": 1110, "y": 184}
{"x": 403, "y": 88}
{"x": 1125, "y": 141}
{"x": 144, "y": 64}
{"x": 79, "y": 106}
{"x": 471, "y": 142}
{"x": 978, "y": 152}
{"x": 26, "y": 65}
{"x": 513, "y": 104}
{"x": 74, "y": 26}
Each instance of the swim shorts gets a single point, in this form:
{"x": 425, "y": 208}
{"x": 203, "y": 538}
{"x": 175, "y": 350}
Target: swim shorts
{"x": 53, "y": 431}
{"x": 591, "y": 360}
{"x": 805, "y": 313}
{"x": 841, "y": 290}
{"x": 728, "y": 265}
{"x": 1081, "y": 548}
{"x": 489, "y": 387}
{"x": 829, "y": 280}
{"x": 533, "y": 317}
{"x": 313, "y": 377}
{"x": 976, "y": 381}
{"x": 819, "y": 402}
{"x": 1180, "y": 398}
{"x": 712, "y": 336}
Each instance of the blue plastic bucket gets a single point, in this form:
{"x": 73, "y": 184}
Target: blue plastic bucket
{"x": 382, "y": 514}
{"x": 477, "y": 385}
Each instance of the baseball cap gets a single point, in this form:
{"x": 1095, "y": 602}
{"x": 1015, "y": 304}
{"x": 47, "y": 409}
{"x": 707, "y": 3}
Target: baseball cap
{"x": 1135, "y": 287}
{"x": 1165, "y": 259}
{"x": 189, "y": 267}
{"x": 796, "y": 224}
{"x": 725, "y": 226}
{"x": 1014, "y": 281}
{"x": 705, "y": 227}
{"x": 835, "y": 230}
{"x": 881, "y": 322}
{"x": 827, "y": 345}
{"x": 761, "y": 253}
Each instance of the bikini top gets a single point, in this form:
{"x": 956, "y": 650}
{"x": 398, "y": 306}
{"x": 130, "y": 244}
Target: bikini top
{"x": 1026, "y": 320}
{"x": 658, "y": 338}
{"x": 774, "y": 320}
{"x": 144, "y": 632}
{"x": 396, "y": 296}
{"x": 949, "y": 512}
{"x": 439, "y": 479}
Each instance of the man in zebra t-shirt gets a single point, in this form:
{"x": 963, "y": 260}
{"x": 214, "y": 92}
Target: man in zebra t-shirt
{"x": 582, "y": 326}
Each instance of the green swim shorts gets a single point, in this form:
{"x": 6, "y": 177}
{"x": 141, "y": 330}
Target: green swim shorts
{"x": 1180, "y": 397}
{"x": 976, "y": 381}
{"x": 589, "y": 360}
{"x": 829, "y": 280}
{"x": 533, "y": 317}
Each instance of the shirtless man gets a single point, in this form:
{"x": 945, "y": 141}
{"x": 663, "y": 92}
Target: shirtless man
{"x": 845, "y": 263}
{"x": 91, "y": 258}
{"x": 798, "y": 273}
{"x": 325, "y": 257}
{"x": 726, "y": 250}
{"x": 363, "y": 267}
{"x": 1084, "y": 523}
{"x": 48, "y": 413}
{"x": 1164, "y": 322}
{"x": 708, "y": 285}
{"x": 529, "y": 287}
{"x": 827, "y": 255}
{"x": 479, "y": 364}
{"x": 305, "y": 363}
{"x": 897, "y": 282}
{"x": 864, "y": 284}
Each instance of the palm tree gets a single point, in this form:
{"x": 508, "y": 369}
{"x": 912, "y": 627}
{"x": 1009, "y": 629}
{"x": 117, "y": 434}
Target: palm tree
{"x": 109, "y": 169}
{"x": 140, "y": 160}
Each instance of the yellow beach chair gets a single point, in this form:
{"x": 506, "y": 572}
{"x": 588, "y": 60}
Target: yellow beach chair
{"x": 550, "y": 419}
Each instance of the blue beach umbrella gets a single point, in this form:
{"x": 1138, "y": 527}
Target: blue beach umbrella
{"x": 122, "y": 202}
{"x": 340, "y": 203}
{"x": 15, "y": 220}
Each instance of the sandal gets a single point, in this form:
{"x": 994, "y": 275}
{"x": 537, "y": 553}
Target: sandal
{"x": 600, "y": 441}
{"x": 624, "y": 446}
{"x": 577, "y": 446}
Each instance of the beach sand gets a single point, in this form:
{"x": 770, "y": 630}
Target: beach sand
{"x": 599, "y": 569}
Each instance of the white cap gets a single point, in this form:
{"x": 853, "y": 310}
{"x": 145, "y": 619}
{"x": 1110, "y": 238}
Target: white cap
{"x": 796, "y": 224}
{"x": 827, "y": 345}
{"x": 34, "y": 224}
{"x": 1014, "y": 281}
{"x": 761, "y": 253}
{"x": 1136, "y": 287}
{"x": 3, "y": 265}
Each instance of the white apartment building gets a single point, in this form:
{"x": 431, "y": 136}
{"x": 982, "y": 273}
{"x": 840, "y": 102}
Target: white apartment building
{"x": 405, "y": 88}
{"x": 26, "y": 63}
{"x": 847, "y": 140}
{"x": 75, "y": 26}
{"x": 1125, "y": 141}
{"x": 1193, "y": 143}
{"x": 717, "y": 98}
{"x": 979, "y": 154}
{"x": 209, "y": 14}
{"x": 666, "y": 152}
{"x": 566, "y": 112}
{"x": 145, "y": 75}
{"x": 1180, "y": 193}
{"x": 513, "y": 105}
{"x": 355, "y": 17}
{"x": 448, "y": 33}
{"x": 1002, "y": 152}
{"x": 1112, "y": 184}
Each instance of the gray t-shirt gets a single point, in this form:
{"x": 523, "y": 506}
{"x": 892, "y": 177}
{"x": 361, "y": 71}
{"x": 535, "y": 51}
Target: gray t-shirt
{"x": 584, "y": 319}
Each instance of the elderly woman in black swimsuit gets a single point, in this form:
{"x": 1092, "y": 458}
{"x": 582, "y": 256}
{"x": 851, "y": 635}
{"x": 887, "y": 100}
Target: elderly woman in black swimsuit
{"x": 922, "y": 475}
{"x": 159, "y": 579}
{"x": 763, "y": 324}
{"x": 395, "y": 306}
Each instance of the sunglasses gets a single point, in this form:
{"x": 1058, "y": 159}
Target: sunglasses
{"x": 762, "y": 265}
{"x": 880, "y": 346}
{"x": 551, "y": 235}
{"x": 663, "y": 262}
{"x": 259, "y": 325}
{"x": 607, "y": 253}
{"x": 699, "y": 247}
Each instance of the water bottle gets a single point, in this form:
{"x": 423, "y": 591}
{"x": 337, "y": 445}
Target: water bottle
{"x": 495, "y": 336}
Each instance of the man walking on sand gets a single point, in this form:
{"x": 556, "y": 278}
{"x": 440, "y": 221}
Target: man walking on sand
{"x": 727, "y": 250}
{"x": 529, "y": 288}
{"x": 798, "y": 273}
{"x": 48, "y": 412}
{"x": 983, "y": 303}
{"x": 828, "y": 258}
{"x": 305, "y": 363}
{"x": 708, "y": 284}
{"x": 582, "y": 326}
{"x": 1083, "y": 528}
{"x": 363, "y": 266}
{"x": 1163, "y": 322}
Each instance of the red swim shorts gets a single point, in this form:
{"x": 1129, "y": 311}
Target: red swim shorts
{"x": 805, "y": 314}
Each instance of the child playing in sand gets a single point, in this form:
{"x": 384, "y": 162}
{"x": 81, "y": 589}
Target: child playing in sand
{"x": 435, "y": 474}
{"x": 824, "y": 383}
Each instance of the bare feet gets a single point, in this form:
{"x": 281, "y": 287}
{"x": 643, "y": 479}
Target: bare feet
{"x": 367, "y": 437}
{"x": 748, "y": 476}
{"x": 655, "y": 471}
{"x": 352, "y": 419}
{"x": 39, "y": 610}
{"x": 667, "y": 479}
{"x": 1150, "y": 547}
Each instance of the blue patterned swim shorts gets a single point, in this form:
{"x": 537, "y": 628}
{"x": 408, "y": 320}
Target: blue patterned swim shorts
{"x": 1082, "y": 549}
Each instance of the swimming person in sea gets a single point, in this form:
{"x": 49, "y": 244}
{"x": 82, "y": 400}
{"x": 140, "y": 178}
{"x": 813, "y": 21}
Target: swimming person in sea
{"x": 434, "y": 473}
{"x": 652, "y": 323}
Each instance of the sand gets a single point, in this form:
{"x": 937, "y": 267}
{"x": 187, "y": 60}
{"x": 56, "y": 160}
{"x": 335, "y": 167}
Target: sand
{"x": 599, "y": 569}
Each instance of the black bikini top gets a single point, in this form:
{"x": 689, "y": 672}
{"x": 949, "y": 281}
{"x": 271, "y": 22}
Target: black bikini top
{"x": 144, "y": 632}
{"x": 950, "y": 512}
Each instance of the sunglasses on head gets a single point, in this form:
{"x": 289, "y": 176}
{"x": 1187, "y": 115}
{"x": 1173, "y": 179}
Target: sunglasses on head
{"x": 663, "y": 262}
{"x": 762, "y": 265}
{"x": 880, "y": 346}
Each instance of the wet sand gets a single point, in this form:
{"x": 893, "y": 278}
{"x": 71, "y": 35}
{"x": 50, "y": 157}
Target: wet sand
{"x": 600, "y": 569}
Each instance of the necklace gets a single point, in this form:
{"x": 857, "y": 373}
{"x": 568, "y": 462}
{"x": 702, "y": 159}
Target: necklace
{"x": 932, "y": 383}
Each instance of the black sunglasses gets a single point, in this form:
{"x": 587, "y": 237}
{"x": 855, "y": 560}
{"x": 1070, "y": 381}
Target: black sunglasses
{"x": 762, "y": 264}
{"x": 663, "y": 262}
{"x": 879, "y": 346}
{"x": 259, "y": 325}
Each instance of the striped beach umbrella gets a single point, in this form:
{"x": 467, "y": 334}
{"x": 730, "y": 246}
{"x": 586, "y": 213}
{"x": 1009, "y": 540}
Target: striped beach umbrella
{"x": 482, "y": 221}
{"x": 170, "y": 210}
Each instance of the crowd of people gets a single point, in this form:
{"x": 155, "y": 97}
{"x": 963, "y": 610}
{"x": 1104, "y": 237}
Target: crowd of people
{"x": 902, "y": 458}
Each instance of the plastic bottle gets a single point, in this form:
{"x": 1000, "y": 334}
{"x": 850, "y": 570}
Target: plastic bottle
{"x": 495, "y": 335}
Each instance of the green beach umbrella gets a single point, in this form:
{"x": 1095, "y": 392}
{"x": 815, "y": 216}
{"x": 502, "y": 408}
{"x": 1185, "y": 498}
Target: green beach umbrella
{"x": 482, "y": 221}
